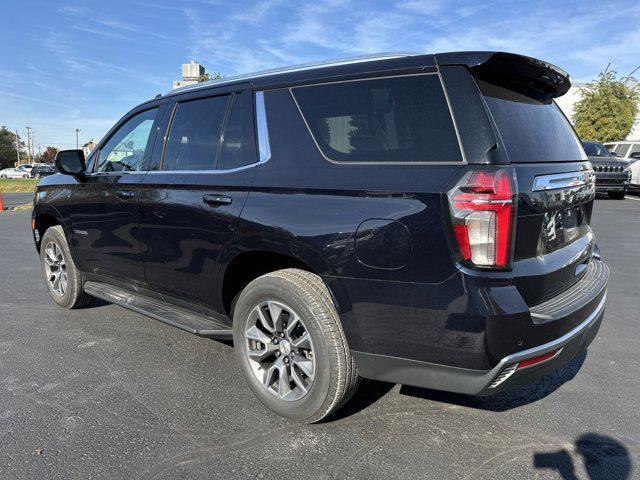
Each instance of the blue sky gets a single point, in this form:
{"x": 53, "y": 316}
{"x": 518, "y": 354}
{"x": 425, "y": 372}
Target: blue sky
{"x": 82, "y": 64}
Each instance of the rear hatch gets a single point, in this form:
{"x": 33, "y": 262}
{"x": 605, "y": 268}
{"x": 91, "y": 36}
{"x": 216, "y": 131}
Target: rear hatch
{"x": 553, "y": 241}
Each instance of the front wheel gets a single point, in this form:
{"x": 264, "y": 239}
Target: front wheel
{"x": 617, "y": 195}
{"x": 291, "y": 347}
{"x": 3, "y": 176}
{"x": 61, "y": 276}
{"x": 25, "y": 176}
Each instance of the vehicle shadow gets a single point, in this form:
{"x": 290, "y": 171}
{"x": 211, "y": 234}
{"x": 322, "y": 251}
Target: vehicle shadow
{"x": 508, "y": 399}
{"x": 368, "y": 393}
{"x": 603, "y": 458}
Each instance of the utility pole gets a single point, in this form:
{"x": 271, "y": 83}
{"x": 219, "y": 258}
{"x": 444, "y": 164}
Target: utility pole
{"x": 18, "y": 147}
{"x": 77, "y": 143}
{"x": 28, "y": 144}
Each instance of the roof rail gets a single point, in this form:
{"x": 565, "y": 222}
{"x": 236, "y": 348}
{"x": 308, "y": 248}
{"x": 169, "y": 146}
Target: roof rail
{"x": 291, "y": 69}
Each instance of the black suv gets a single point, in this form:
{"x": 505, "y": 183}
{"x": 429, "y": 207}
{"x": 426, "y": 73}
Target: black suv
{"x": 613, "y": 174}
{"x": 420, "y": 219}
{"x": 39, "y": 171}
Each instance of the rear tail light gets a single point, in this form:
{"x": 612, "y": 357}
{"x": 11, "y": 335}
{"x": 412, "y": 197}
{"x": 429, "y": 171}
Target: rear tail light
{"x": 482, "y": 206}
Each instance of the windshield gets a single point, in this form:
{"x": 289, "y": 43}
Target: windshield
{"x": 595, "y": 149}
{"x": 533, "y": 130}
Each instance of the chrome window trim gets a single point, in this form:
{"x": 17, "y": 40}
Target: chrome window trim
{"x": 214, "y": 170}
{"x": 262, "y": 129}
{"x": 355, "y": 162}
{"x": 556, "y": 181}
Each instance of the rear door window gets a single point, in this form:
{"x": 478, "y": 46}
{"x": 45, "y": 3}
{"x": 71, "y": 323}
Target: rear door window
{"x": 194, "y": 134}
{"x": 532, "y": 130}
{"x": 238, "y": 146}
{"x": 393, "y": 119}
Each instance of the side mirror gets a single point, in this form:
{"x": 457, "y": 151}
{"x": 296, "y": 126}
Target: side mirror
{"x": 635, "y": 155}
{"x": 71, "y": 162}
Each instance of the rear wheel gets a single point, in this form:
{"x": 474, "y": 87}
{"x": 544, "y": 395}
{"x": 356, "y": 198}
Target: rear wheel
{"x": 61, "y": 276}
{"x": 290, "y": 345}
{"x": 617, "y": 195}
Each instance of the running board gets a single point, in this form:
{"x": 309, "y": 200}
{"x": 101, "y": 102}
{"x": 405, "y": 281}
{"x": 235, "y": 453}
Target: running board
{"x": 191, "y": 322}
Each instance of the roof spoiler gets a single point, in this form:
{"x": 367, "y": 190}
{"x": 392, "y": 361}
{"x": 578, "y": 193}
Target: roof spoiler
{"x": 509, "y": 69}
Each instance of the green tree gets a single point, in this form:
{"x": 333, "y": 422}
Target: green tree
{"x": 8, "y": 154}
{"x": 205, "y": 77}
{"x": 607, "y": 109}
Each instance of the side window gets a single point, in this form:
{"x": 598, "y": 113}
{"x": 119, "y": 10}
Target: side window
{"x": 634, "y": 148}
{"x": 124, "y": 151}
{"x": 194, "y": 134}
{"x": 238, "y": 145}
{"x": 394, "y": 119}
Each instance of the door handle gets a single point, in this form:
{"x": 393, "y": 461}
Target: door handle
{"x": 216, "y": 200}
{"x": 124, "y": 194}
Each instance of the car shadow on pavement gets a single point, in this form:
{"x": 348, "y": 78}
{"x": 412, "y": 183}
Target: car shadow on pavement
{"x": 507, "y": 399}
{"x": 368, "y": 393}
{"x": 603, "y": 458}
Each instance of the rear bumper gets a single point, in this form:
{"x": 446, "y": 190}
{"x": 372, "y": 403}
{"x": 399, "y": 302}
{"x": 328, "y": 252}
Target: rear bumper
{"x": 507, "y": 374}
{"x": 583, "y": 304}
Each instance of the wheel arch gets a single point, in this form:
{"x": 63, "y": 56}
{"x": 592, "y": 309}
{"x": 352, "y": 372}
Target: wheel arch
{"x": 242, "y": 265}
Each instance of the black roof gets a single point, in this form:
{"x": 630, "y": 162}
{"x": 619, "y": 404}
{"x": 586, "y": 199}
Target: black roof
{"x": 551, "y": 80}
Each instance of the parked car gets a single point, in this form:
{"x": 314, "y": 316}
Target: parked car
{"x": 613, "y": 173}
{"x": 344, "y": 220}
{"x": 629, "y": 150}
{"x": 13, "y": 173}
{"x": 39, "y": 171}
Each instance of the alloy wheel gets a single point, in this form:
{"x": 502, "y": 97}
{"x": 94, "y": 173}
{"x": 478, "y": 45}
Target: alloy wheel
{"x": 280, "y": 350}
{"x": 55, "y": 268}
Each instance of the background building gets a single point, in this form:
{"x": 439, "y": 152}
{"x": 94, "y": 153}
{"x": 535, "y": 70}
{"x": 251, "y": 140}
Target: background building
{"x": 191, "y": 72}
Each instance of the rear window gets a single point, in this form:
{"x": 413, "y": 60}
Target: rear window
{"x": 533, "y": 130}
{"x": 395, "y": 119}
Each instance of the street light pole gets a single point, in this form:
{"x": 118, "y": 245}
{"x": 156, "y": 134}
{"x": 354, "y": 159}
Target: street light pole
{"x": 18, "y": 146}
{"x": 77, "y": 143}
{"x": 28, "y": 143}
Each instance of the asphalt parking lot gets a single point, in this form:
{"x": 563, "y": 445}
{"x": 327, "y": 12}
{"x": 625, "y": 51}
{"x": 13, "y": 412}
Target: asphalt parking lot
{"x": 105, "y": 393}
{"x": 10, "y": 200}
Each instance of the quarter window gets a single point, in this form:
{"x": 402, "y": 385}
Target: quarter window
{"x": 124, "y": 151}
{"x": 394, "y": 119}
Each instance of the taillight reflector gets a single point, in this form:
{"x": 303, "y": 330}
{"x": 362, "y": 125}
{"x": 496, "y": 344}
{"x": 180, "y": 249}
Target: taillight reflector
{"x": 533, "y": 361}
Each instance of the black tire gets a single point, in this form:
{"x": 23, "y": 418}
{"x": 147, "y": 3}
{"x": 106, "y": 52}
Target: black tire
{"x": 335, "y": 375}
{"x": 73, "y": 295}
{"x": 617, "y": 195}
{"x": 37, "y": 176}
